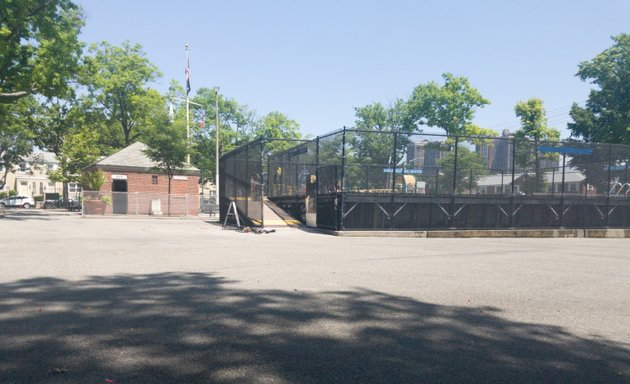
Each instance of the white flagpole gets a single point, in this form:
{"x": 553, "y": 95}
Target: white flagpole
{"x": 216, "y": 117}
{"x": 187, "y": 112}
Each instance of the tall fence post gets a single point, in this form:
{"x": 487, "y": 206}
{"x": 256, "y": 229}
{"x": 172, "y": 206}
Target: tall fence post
{"x": 248, "y": 182}
{"x": 608, "y": 188}
{"x": 263, "y": 181}
{"x": 343, "y": 176}
{"x": 268, "y": 186}
{"x": 394, "y": 161}
{"x": 317, "y": 167}
{"x": 561, "y": 213}
{"x": 513, "y": 189}
{"x": 454, "y": 190}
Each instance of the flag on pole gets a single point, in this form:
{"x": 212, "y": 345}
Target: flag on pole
{"x": 187, "y": 77}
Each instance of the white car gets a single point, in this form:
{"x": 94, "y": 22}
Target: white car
{"x": 18, "y": 201}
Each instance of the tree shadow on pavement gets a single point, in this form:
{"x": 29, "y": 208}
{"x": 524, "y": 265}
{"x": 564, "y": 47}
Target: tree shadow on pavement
{"x": 20, "y": 214}
{"x": 198, "y": 328}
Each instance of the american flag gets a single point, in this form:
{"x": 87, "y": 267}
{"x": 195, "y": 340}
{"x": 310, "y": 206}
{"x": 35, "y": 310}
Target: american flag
{"x": 187, "y": 77}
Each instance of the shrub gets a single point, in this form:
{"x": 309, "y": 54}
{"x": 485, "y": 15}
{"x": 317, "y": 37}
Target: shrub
{"x": 93, "y": 181}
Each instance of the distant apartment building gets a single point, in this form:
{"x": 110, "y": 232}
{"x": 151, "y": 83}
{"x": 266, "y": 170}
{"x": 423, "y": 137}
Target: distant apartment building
{"x": 415, "y": 154}
{"x": 502, "y": 161}
{"x": 423, "y": 154}
{"x": 487, "y": 153}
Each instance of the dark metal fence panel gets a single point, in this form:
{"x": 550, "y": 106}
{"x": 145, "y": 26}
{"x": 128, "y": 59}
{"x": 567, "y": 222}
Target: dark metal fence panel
{"x": 426, "y": 164}
{"x": 368, "y": 179}
{"x": 329, "y": 171}
{"x": 254, "y": 173}
{"x": 289, "y": 170}
{"x": 241, "y": 183}
{"x": 369, "y": 162}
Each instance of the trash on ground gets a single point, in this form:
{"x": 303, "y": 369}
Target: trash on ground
{"x": 257, "y": 231}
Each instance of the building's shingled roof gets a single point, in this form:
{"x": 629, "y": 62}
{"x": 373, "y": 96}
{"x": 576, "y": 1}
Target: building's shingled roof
{"x": 132, "y": 156}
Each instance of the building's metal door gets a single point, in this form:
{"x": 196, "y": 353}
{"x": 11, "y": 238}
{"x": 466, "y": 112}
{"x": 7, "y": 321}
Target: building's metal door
{"x": 119, "y": 197}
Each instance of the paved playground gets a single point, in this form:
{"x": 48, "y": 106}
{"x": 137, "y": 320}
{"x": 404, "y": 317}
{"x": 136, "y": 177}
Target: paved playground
{"x": 158, "y": 300}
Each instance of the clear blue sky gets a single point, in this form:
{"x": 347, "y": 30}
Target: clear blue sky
{"x": 316, "y": 61}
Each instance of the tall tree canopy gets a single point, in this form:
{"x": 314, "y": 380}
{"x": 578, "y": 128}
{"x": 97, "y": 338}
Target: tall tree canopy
{"x": 470, "y": 167}
{"x": 236, "y": 123}
{"x": 377, "y": 125}
{"x": 16, "y": 139}
{"x": 534, "y": 121}
{"x": 167, "y": 145}
{"x": 39, "y": 47}
{"x": 451, "y": 106}
{"x": 534, "y": 131}
{"x": 276, "y": 125}
{"x": 117, "y": 79}
{"x": 606, "y": 116}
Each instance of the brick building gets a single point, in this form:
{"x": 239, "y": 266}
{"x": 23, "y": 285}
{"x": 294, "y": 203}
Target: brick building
{"x": 135, "y": 183}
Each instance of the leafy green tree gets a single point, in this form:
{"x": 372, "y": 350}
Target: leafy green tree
{"x": 39, "y": 47}
{"x": 451, "y": 106}
{"x": 70, "y": 129}
{"x": 16, "y": 139}
{"x": 78, "y": 150}
{"x": 52, "y": 120}
{"x": 470, "y": 167}
{"x": 376, "y": 125}
{"x": 534, "y": 132}
{"x": 276, "y": 125}
{"x": 236, "y": 121}
{"x": 167, "y": 145}
{"x": 606, "y": 116}
{"x": 117, "y": 79}
{"x": 380, "y": 139}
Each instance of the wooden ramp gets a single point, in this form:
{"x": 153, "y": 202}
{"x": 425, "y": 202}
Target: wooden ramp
{"x": 274, "y": 216}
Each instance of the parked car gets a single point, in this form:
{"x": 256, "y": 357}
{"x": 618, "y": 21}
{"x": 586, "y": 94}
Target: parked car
{"x": 18, "y": 201}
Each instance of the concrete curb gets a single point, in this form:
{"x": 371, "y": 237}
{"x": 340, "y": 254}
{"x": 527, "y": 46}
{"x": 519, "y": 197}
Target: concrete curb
{"x": 502, "y": 233}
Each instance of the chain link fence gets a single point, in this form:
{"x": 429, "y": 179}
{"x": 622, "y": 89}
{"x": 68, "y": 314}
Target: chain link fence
{"x": 139, "y": 204}
{"x": 393, "y": 180}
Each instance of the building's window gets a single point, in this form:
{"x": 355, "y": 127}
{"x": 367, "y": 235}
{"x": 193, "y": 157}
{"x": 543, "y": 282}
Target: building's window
{"x": 154, "y": 180}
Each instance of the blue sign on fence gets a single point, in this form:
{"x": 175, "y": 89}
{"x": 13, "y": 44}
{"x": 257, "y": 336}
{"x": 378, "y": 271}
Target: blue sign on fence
{"x": 406, "y": 171}
{"x": 565, "y": 150}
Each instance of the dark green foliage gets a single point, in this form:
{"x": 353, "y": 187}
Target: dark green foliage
{"x": 606, "y": 116}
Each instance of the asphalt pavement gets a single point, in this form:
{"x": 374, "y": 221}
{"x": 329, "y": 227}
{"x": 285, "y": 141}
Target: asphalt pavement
{"x": 161, "y": 300}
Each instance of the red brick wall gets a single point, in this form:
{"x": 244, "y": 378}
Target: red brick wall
{"x": 141, "y": 183}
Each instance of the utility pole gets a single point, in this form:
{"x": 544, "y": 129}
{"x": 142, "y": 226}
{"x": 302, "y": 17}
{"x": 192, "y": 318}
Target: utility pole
{"x": 187, "y": 109}
{"x": 216, "y": 118}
